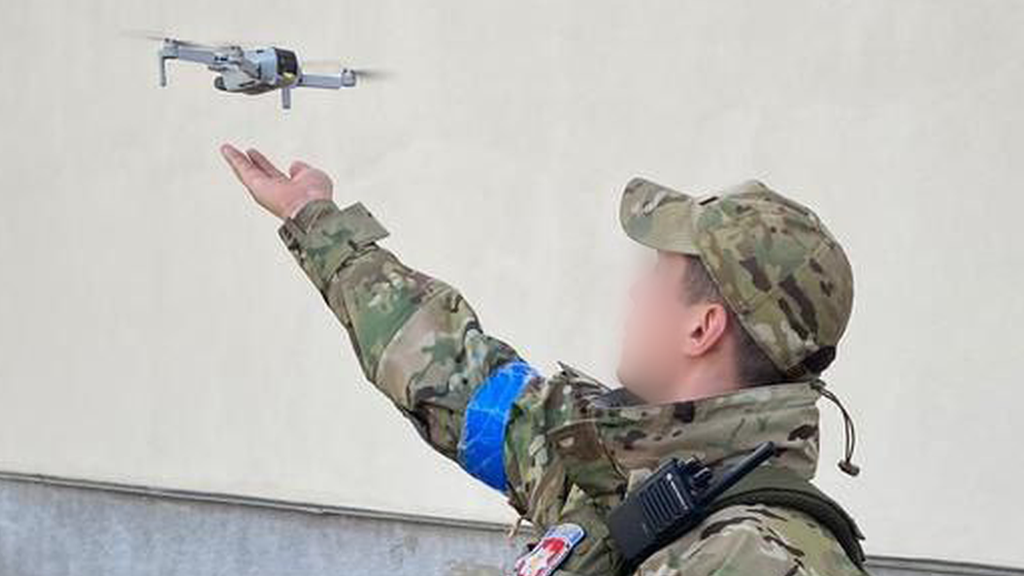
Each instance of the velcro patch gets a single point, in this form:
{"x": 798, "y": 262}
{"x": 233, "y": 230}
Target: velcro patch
{"x": 549, "y": 553}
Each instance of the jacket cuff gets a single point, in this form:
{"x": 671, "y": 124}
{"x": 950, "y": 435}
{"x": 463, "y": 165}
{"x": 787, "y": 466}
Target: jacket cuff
{"x": 321, "y": 236}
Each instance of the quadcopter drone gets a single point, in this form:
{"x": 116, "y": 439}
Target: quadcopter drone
{"x": 251, "y": 70}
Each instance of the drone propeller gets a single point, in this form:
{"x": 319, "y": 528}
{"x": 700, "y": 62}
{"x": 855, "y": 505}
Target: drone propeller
{"x": 158, "y": 36}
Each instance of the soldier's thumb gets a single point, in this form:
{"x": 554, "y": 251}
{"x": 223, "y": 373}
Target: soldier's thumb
{"x": 296, "y": 167}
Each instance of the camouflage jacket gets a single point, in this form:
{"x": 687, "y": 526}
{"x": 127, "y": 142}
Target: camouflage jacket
{"x": 570, "y": 447}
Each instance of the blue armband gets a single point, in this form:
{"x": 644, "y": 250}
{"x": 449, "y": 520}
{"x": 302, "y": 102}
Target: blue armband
{"x": 482, "y": 445}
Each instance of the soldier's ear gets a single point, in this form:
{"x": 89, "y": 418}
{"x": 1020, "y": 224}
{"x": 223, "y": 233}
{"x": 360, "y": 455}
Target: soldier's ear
{"x": 705, "y": 328}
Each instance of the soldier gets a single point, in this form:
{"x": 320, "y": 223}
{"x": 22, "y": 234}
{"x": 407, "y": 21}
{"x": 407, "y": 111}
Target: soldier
{"x": 724, "y": 346}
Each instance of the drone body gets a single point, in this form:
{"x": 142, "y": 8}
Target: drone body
{"x": 251, "y": 71}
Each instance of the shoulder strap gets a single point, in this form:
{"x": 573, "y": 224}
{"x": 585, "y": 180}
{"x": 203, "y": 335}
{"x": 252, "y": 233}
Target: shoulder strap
{"x": 774, "y": 485}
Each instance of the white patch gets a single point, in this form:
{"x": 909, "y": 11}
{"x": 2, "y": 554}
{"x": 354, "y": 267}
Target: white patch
{"x": 550, "y": 552}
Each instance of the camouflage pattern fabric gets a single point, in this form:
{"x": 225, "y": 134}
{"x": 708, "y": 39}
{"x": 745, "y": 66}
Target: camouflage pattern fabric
{"x": 573, "y": 448}
{"x": 774, "y": 261}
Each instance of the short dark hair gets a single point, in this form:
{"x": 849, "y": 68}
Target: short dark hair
{"x": 752, "y": 364}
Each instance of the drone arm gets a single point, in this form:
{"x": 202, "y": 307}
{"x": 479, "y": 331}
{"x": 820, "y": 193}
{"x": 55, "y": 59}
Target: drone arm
{"x": 173, "y": 51}
{"x": 196, "y": 55}
{"x": 318, "y": 81}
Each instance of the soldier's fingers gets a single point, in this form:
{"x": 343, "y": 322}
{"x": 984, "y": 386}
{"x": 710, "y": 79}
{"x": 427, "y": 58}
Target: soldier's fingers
{"x": 246, "y": 172}
{"x": 263, "y": 163}
{"x": 296, "y": 167}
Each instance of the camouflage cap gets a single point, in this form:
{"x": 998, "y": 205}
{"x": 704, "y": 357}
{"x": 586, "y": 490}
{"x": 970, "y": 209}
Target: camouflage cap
{"x": 776, "y": 264}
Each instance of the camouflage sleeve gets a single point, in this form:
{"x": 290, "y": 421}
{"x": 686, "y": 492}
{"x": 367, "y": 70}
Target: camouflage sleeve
{"x": 416, "y": 338}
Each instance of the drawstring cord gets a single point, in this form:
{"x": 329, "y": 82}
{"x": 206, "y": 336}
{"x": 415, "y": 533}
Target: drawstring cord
{"x": 515, "y": 528}
{"x": 846, "y": 464}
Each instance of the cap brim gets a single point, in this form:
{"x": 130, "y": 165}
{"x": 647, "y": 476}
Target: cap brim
{"x": 659, "y": 217}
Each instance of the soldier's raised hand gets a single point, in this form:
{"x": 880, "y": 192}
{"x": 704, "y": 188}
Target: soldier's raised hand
{"x": 281, "y": 194}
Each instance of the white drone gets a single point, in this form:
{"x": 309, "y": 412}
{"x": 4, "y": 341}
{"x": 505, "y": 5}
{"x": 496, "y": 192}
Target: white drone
{"x": 252, "y": 70}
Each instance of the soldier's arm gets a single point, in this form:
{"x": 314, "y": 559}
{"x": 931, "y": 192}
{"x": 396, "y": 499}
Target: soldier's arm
{"x": 415, "y": 336}
{"x": 420, "y": 343}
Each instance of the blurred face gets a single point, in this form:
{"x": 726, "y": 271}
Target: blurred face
{"x": 665, "y": 338}
{"x": 649, "y": 355}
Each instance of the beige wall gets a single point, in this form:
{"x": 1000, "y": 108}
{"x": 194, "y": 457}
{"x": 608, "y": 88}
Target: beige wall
{"x": 153, "y": 329}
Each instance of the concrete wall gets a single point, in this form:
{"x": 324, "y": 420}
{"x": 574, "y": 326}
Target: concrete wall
{"x": 153, "y": 329}
{"x": 62, "y": 527}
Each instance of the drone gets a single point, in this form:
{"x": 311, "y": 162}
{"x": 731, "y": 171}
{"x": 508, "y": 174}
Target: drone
{"x": 253, "y": 70}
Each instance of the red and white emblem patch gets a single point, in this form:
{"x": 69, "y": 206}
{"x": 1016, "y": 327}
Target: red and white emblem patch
{"x": 552, "y": 549}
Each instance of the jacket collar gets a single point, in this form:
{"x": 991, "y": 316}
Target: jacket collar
{"x": 615, "y": 442}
